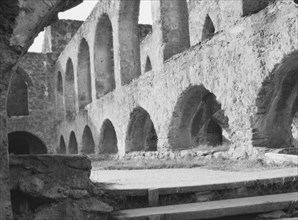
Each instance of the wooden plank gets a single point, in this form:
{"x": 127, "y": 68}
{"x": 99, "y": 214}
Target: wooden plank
{"x": 214, "y": 209}
{"x": 204, "y": 187}
{"x": 153, "y": 197}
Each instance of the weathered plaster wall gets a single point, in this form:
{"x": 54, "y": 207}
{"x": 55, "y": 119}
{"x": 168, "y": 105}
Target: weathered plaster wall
{"x": 232, "y": 65}
{"x": 41, "y": 100}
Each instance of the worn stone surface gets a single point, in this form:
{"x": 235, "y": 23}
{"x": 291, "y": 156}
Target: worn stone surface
{"x": 54, "y": 187}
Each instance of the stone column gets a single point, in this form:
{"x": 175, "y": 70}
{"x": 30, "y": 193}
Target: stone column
{"x": 7, "y": 59}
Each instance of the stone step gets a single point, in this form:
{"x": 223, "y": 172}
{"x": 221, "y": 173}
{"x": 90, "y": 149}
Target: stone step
{"x": 214, "y": 209}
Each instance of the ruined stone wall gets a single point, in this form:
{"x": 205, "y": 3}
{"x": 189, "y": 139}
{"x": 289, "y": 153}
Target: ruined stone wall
{"x": 232, "y": 65}
{"x": 38, "y": 75}
{"x": 58, "y": 34}
{"x": 223, "y": 14}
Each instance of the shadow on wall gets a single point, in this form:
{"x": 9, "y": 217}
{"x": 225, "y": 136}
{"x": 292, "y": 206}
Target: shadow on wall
{"x": 21, "y": 142}
{"x": 141, "y": 134}
{"x": 72, "y": 144}
{"x": 108, "y": 138}
{"x": 17, "y": 99}
{"x": 277, "y": 104}
{"x": 87, "y": 145}
{"x": 197, "y": 120}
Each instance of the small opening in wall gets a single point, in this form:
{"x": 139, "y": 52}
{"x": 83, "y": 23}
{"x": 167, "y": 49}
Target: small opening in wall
{"x": 141, "y": 134}
{"x": 62, "y": 146}
{"x": 73, "y": 144}
{"x": 17, "y": 100}
{"x": 108, "y": 138}
{"x": 21, "y": 142}
{"x": 208, "y": 28}
{"x": 88, "y": 145}
{"x": 148, "y": 66}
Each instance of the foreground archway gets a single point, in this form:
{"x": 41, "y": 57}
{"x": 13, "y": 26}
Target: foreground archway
{"x": 197, "y": 120}
{"x": 21, "y": 142}
{"x": 72, "y": 144}
{"x": 141, "y": 134}
{"x": 108, "y": 138}
{"x": 88, "y": 145}
{"x": 62, "y": 146}
{"x": 276, "y": 119}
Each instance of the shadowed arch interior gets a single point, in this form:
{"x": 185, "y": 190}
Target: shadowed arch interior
{"x": 84, "y": 75}
{"x": 208, "y": 28}
{"x": 59, "y": 83}
{"x": 70, "y": 99}
{"x": 88, "y": 145}
{"x": 141, "y": 134}
{"x": 62, "y": 146}
{"x": 108, "y": 138}
{"x": 17, "y": 99}
{"x": 21, "y": 142}
{"x": 148, "y": 66}
{"x": 197, "y": 119}
{"x": 104, "y": 57}
{"x": 72, "y": 144}
{"x": 275, "y": 123}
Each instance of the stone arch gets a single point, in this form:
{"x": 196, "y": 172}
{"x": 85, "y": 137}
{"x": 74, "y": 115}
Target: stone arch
{"x": 208, "y": 28}
{"x": 175, "y": 27}
{"x": 130, "y": 64}
{"x": 17, "y": 99}
{"x": 277, "y": 104}
{"x": 197, "y": 119}
{"x": 70, "y": 98}
{"x": 141, "y": 134}
{"x": 62, "y": 146}
{"x": 88, "y": 145}
{"x": 22, "y": 142}
{"x": 108, "y": 138}
{"x": 72, "y": 144}
{"x": 148, "y": 66}
{"x": 84, "y": 75}
{"x": 104, "y": 57}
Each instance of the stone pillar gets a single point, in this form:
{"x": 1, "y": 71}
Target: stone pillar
{"x": 7, "y": 59}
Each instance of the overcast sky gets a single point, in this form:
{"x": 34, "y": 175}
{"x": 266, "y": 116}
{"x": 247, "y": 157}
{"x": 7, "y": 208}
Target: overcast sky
{"x": 82, "y": 11}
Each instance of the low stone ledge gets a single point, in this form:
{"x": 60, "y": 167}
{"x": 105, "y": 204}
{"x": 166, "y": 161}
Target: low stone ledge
{"x": 54, "y": 187}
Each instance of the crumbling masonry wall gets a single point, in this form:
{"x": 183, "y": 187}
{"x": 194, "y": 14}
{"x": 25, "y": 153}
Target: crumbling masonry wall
{"x": 231, "y": 64}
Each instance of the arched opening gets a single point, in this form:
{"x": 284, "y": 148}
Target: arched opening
{"x": 108, "y": 138}
{"x": 275, "y": 124}
{"x": 62, "y": 146}
{"x": 104, "y": 57}
{"x": 72, "y": 144}
{"x": 17, "y": 99}
{"x": 208, "y": 28}
{"x": 84, "y": 75}
{"x": 59, "y": 84}
{"x": 197, "y": 120}
{"x": 130, "y": 64}
{"x": 88, "y": 145}
{"x": 175, "y": 27}
{"x": 141, "y": 134}
{"x": 70, "y": 98}
{"x": 148, "y": 66}
{"x": 21, "y": 142}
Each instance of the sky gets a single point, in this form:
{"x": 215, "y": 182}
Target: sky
{"x": 82, "y": 11}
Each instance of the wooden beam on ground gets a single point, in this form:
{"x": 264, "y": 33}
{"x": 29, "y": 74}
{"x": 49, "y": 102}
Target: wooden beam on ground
{"x": 214, "y": 209}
